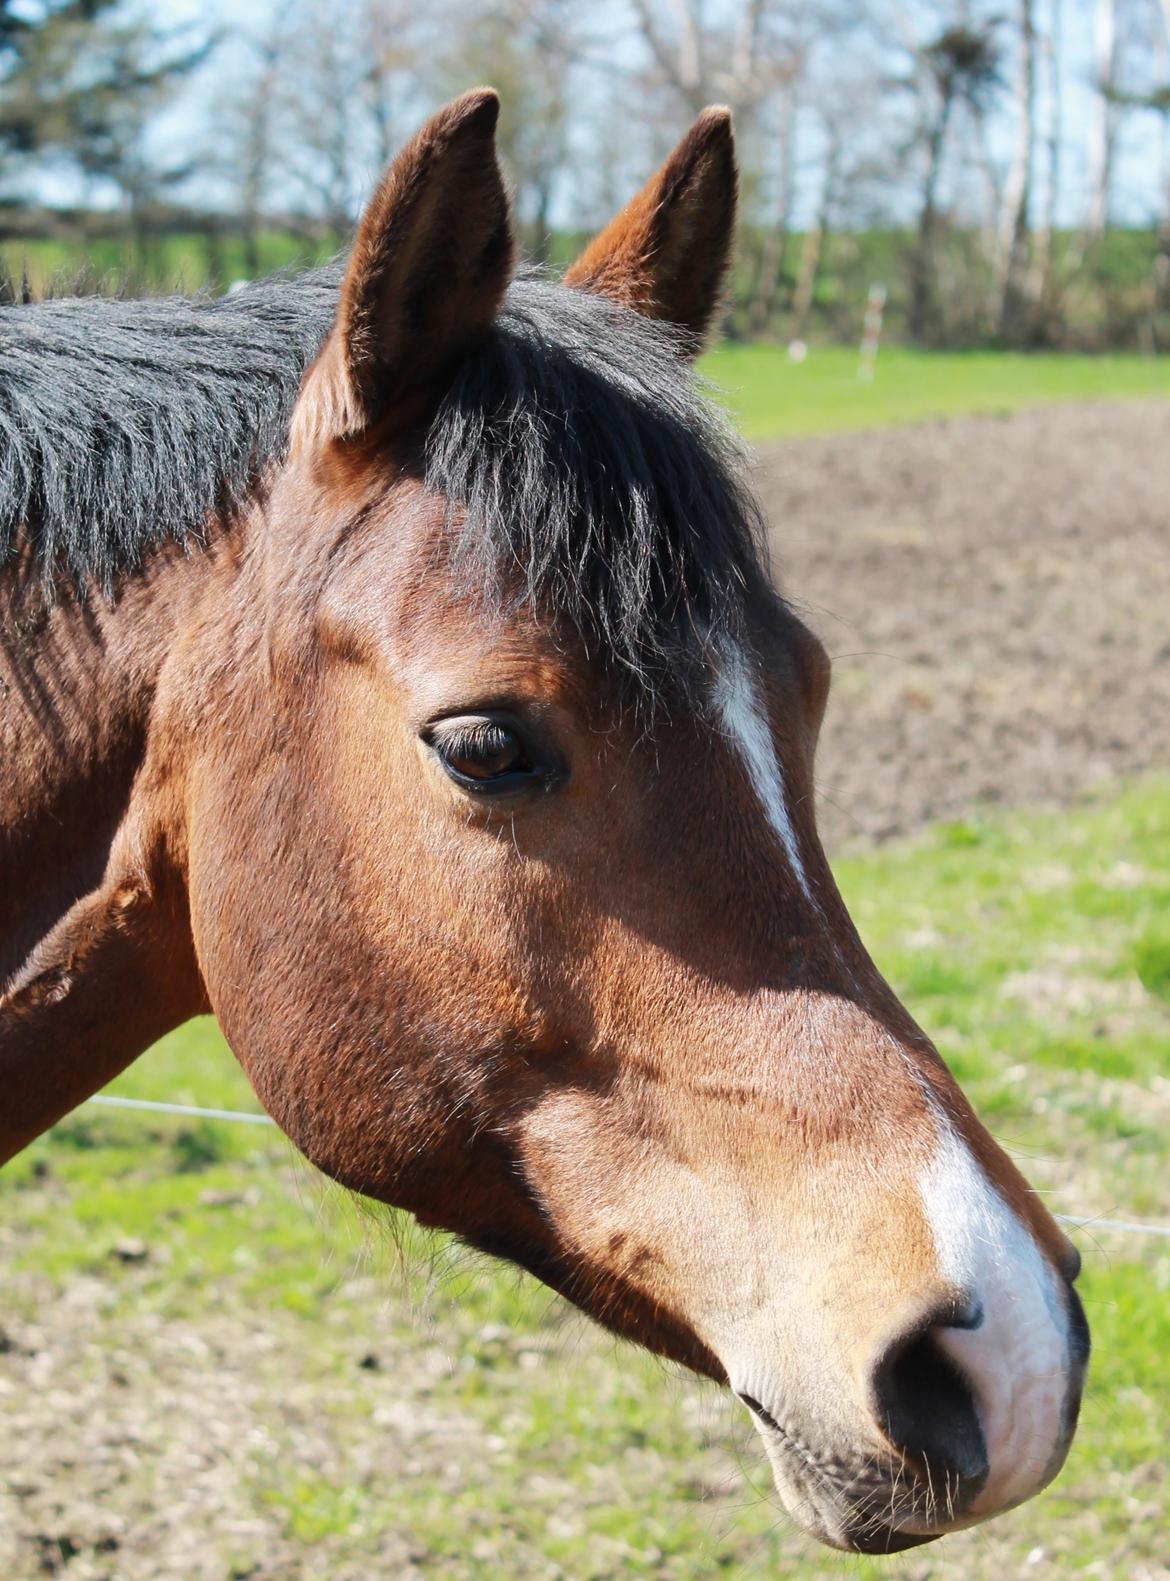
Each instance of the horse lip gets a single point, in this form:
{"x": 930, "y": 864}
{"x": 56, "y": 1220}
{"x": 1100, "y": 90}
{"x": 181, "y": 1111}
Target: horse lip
{"x": 859, "y": 1535}
{"x": 848, "y": 1531}
{"x": 885, "y": 1540}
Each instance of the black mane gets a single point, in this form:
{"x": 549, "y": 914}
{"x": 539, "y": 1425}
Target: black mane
{"x": 124, "y": 422}
{"x": 593, "y": 476}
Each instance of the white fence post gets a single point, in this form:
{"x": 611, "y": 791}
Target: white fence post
{"x": 872, "y": 334}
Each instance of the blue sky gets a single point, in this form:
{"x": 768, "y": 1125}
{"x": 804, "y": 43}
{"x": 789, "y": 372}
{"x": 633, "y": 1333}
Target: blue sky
{"x": 1139, "y": 156}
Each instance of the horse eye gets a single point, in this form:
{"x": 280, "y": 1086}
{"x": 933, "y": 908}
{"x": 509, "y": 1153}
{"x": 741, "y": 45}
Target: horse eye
{"x": 481, "y": 754}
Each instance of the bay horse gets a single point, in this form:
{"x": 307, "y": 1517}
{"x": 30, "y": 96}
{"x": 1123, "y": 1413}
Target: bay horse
{"x": 389, "y": 665}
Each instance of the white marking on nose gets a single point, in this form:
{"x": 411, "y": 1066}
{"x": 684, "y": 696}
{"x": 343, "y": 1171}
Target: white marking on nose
{"x": 1018, "y": 1360}
{"x": 743, "y": 717}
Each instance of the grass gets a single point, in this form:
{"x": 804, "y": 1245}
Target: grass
{"x": 417, "y": 1412}
{"x": 180, "y": 261}
{"x": 771, "y": 396}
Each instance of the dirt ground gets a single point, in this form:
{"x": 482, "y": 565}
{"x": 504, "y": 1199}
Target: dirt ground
{"x": 995, "y": 593}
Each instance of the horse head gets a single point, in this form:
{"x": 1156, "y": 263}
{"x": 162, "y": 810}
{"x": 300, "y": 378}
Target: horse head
{"x": 504, "y": 876}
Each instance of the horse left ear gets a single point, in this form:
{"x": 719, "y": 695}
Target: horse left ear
{"x": 426, "y": 276}
{"x": 668, "y": 252}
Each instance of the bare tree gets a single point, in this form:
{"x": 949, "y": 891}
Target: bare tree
{"x": 1052, "y": 55}
{"x": 757, "y": 56}
{"x": 1147, "y": 63}
{"x": 770, "y": 264}
{"x": 1015, "y": 234}
{"x": 960, "y": 65}
{"x": 675, "y": 38}
{"x": 247, "y": 144}
{"x": 529, "y": 49}
{"x": 321, "y": 85}
{"x": 816, "y": 237}
{"x": 742, "y": 55}
{"x": 332, "y": 92}
{"x": 387, "y": 34}
{"x": 1160, "y": 104}
{"x": 1103, "y": 132}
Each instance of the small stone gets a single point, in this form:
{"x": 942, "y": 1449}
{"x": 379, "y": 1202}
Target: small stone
{"x": 130, "y": 1250}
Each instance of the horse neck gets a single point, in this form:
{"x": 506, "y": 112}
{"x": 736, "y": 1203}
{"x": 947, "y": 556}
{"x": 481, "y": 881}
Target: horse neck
{"x": 95, "y": 953}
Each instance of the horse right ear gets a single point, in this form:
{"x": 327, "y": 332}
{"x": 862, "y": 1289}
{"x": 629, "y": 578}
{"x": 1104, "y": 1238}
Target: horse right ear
{"x": 426, "y": 276}
{"x": 668, "y": 252}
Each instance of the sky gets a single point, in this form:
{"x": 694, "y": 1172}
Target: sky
{"x": 1139, "y": 160}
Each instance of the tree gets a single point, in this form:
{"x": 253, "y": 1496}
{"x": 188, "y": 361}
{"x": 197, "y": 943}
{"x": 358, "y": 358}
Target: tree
{"x": 1103, "y": 136}
{"x": 770, "y": 265}
{"x": 326, "y": 95}
{"x": 83, "y": 83}
{"x": 813, "y": 251}
{"x": 1149, "y": 93}
{"x": 529, "y": 50}
{"x": 247, "y": 138}
{"x": 1053, "y": 135}
{"x": 26, "y": 35}
{"x": 960, "y": 65}
{"x": 1015, "y": 235}
{"x": 760, "y": 57}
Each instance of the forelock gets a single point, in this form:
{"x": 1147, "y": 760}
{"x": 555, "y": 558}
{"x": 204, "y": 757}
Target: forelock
{"x": 595, "y": 480}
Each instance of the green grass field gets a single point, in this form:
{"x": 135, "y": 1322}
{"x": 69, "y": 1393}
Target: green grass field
{"x": 770, "y": 396}
{"x": 176, "y": 262}
{"x": 1036, "y": 947}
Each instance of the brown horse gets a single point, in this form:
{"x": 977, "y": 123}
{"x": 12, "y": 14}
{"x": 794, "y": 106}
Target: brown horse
{"x": 431, "y": 719}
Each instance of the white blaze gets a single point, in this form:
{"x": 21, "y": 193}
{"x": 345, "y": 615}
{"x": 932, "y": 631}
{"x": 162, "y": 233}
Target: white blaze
{"x": 742, "y": 715}
{"x": 1017, "y": 1361}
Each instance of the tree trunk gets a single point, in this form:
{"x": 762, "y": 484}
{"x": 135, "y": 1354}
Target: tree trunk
{"x": 213, "y": 250}
{"x": 1046, "y": 241}
{"x": 1162, "y": 260}
{"x": 1162, "y": 257}
{"x": 922, "y": 299}
{"x": 255, "y": 144}
{"x": 771, "y": 264}
{"x": 1104, "y": 129}
{"x": 1014, "y": 306}
{"x": 541, "y": 237}
{"x": 813, "y": 251}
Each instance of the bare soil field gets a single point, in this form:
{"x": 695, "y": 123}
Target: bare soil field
{"x": 995, "y": 593}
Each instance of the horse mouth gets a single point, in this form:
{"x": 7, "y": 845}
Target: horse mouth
{"x": 846, "y": 1524}
{"x": 876, "y": 1506}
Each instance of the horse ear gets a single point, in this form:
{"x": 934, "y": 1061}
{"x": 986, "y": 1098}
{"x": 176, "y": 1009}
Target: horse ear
{"x": 667, "y": 253}
{"x": 427, "y": 273}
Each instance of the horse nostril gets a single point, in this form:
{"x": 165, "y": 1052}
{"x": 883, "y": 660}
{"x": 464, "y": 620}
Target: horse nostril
{"x": 926, "y": 1408}
{"x": 1070, "y": 1265}
{"x": 1078, "y": 1335}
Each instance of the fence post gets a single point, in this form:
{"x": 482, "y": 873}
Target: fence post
{"x": 872, "y": 334}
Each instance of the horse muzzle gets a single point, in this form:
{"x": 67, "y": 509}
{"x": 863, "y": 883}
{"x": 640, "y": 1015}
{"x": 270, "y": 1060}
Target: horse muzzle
{"x": 962, "y": 1417}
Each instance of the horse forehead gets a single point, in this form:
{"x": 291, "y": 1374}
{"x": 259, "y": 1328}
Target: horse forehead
{"x": 456, "y": 646}
{"x": 443, "y": 642}
{"x": 452, "y": 655}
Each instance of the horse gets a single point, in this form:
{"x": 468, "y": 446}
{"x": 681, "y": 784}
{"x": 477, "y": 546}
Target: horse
{"x": 391, "y": 667}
